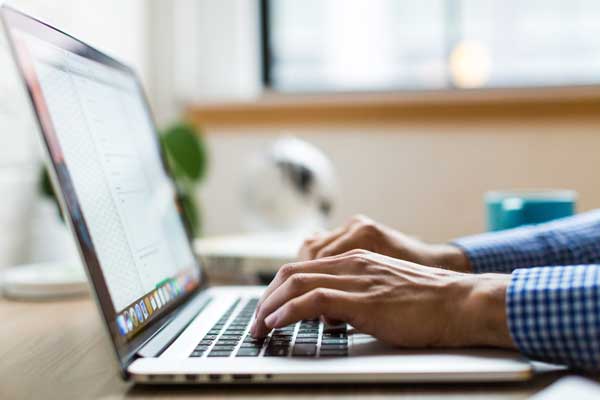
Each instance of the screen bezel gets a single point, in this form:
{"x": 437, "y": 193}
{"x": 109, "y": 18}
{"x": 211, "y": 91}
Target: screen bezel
{"x": 15, "y": 20}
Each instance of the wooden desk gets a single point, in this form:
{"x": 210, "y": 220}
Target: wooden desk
{"x": 58, "y": 351}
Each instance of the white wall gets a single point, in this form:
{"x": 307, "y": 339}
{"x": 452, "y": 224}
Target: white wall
{"x": 202, "y": 50}
{"x": 425, "y": 178}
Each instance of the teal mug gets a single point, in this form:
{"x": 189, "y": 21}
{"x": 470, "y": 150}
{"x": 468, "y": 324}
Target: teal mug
{"x": 514, "y": 208}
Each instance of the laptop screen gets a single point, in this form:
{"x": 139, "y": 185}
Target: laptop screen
{"x": 118, "y": 194}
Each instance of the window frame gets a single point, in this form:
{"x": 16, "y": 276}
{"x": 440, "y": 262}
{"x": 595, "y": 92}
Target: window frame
{"x": 265, "y": 43}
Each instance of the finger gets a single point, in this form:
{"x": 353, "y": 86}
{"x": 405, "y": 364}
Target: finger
{"x": 296, "y": 286}
{"x": 337, "y": 265}
{"x": 330, "y": 303}
{"x": 359, "y": 219}
{"x": 307, "y": 243}
{"x": 285, "y": 272}
{"x": 348, "y": 241}
{"x": 311, "y": 246}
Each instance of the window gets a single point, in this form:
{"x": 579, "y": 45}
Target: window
{"x": 366, "y": 45}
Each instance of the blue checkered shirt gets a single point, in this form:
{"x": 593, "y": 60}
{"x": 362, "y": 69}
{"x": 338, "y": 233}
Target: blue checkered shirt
{"x": 553, "y": 300}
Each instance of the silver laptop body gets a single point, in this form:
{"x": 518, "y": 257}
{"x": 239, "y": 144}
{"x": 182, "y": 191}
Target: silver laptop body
{"x": 166, "y": 325}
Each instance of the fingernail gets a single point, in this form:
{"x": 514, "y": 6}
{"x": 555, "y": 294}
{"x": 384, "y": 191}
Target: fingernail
{"x": 271, "y": 320}
{"x": 253, "y": 327}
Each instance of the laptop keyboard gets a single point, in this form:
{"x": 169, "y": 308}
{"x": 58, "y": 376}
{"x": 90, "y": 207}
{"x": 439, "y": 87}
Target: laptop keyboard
{"x": 229, "y": 337}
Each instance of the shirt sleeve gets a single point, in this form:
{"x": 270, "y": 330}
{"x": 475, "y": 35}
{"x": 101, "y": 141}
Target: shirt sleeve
{"x": 554, "y": 314}
{"x": 568, "y": 241}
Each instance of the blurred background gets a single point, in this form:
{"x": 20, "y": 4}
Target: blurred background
{"x": 421, "y": 106}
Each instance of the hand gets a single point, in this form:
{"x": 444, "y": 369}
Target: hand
{"x": 363, "y": 233}
{"x": 399, "y": 302}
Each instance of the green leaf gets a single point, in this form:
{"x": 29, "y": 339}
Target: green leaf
{"x": 191, "y": 211}
{"x": 186, "y": 151}
{"x": 47, "y": 190}
{"x": 45, "y": 185}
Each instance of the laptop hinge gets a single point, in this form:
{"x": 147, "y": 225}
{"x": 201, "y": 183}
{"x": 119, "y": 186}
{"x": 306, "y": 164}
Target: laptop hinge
{"x": 159, "y": 342}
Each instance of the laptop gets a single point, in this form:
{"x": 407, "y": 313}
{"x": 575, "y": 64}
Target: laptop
{"x": 165, "y": 323}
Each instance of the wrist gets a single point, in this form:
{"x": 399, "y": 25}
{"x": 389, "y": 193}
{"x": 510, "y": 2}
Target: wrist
{"x": 483, "y": 311}
{"x": 450, "y": 257}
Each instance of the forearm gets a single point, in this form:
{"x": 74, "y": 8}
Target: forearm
{"x": 450, "y": 257}
{"x": 547, "y": 313}
{"x": 569, "y": 241}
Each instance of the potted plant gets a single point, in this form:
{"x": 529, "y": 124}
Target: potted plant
{"x": 187, "y": 158}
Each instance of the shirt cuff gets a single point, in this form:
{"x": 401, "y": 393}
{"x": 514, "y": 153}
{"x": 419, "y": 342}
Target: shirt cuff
{"x": 553, "y": 314}
{"x": 504, "y": 251}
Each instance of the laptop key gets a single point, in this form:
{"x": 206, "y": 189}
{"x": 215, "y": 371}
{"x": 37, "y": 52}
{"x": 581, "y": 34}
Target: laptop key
{"x": 307, "y": 340}
{"x": 227, "y": 343}
{"x": 251, "y": 346}
{"x": 231, "y": 337}
{"x": 333, "y": 347}
{"x": 303, "y": 331}
{"x": 276, "y": 352}
{"x": 286, "y": 333}
{"x": 255, "y": 342}
{"x": 283, "y": 337}
{"x": 224, "y": 347}
{"x": 285, "y": 329}
{"x": 340, "y": 335}
{"x": 219, "y": 353}
{"x": 307, "y": 335}
{"x": 250, "y": 339}
{"x": 279, "y": 342}
{"x": 243, "y": 352}
{"x": 333, "y": 353}
{"x": 328, "y": 341}
{"x": 304, "y": 350}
